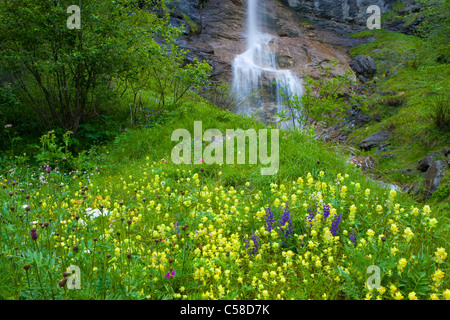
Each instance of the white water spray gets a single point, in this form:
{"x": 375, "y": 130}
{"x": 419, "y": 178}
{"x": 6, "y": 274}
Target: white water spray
{"x": 256, "y": 78}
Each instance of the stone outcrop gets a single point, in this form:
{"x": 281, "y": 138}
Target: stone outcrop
{"x": 433, "y": 176}
{"x": 308, "y": 31}
{"x": 374, "y": 140}
{"x": 434, "y": 164}
{"x": 298, "y": 45}
{"x": 364, "y": 67}
{"x": 426, "y": 162}
{"x": 344, "y": 15}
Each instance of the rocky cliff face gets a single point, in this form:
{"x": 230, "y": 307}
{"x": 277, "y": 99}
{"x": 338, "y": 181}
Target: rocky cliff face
{"x": 299, "y": 46}
{"x": 309, "y": 31}
{"x": 339, "y": 13}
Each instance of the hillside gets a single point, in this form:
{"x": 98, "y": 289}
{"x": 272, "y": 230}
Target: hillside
{"x": 96, "y": 203}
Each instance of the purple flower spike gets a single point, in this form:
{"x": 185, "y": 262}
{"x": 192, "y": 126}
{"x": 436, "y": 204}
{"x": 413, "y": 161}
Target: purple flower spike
{"x": 270, "y": 219}
{"x": 326, "y": 211}
{"x": 353, "y": 238}
{"x": 255, "y": 249}
{"x": 335, "y": 224}
{"x": 286, "y": 218}
{"x": 311, "y": 215}
{"x": 177, "y": 227}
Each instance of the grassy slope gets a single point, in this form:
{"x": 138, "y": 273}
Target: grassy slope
{"x": 406, "y": 80}
{"x": 134, "y": 169}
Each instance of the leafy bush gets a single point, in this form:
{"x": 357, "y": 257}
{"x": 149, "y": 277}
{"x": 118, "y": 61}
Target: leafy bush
{"x": 221, "y": 95}
{"x": 66, "y": 74}
{"x": 325, "y": 100}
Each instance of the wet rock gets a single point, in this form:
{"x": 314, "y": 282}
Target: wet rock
{"x": 361, "y": 119}
{"x": 180, "y": 23}
{"x": 364, "y": 67}
{"x": 445, "y": 151}
{"x": 357, "y": 118}
{"x": 374, "y": 140}
{"x": 433, "y": 176}
{"x": 382, "y": 148}
{"x": 285, "y": 60}
{"x": 288, "y": 31}
{"x": 191, "y": 8}
{"x": 403, "y": 25}
{"x": 222, "y": 29}
{"x": 377, "y": 118}
{"x": 347, "y": 15}
{"x": 389, "y": 156}
{"x": 426, "y": 162}
{"x": 413, "y": 189}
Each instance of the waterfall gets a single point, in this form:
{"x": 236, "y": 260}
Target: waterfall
{"x": 256, "y": 78}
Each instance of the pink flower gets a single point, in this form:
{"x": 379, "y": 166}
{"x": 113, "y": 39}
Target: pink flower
{"x": 170, "y": 274}
{"x": 165, "y": 162}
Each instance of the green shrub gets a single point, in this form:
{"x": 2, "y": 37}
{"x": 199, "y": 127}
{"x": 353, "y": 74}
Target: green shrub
{"x": 439, "y": 111}
{"x": 192, "y": 25}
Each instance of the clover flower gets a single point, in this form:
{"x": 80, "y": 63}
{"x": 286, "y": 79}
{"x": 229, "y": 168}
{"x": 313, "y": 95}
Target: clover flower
{"x": 432, "y": 222}
{"x": 412, "y": 296}
{"x": 440, "y": 255}
{"x": 438, "y": 276}
{"x": 33, "y": 234}
{"x": 446, "y": 294}
{"x": 370, "y": 233}
{"x": 408, "y": 234}
{"x": 170, "y": 274}
{"x": 398, "y": 296}
{"x": 434, "y": 296}
{"x": 402, "y": 264}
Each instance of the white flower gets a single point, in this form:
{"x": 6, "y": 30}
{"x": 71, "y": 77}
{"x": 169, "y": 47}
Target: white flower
{"x": 94, "y": 213}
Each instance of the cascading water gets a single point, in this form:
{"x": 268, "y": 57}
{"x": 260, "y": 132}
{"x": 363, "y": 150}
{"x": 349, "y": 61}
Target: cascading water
{"x": 256, "y": 79}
